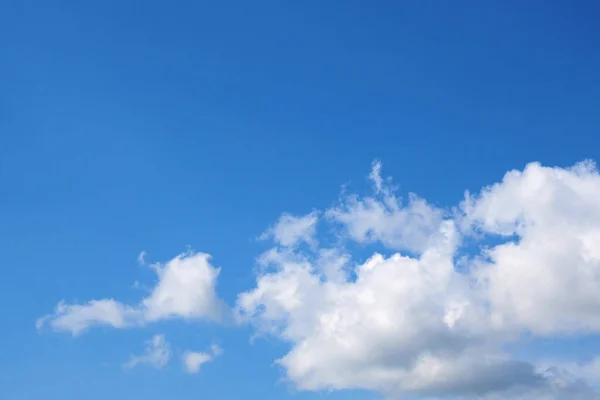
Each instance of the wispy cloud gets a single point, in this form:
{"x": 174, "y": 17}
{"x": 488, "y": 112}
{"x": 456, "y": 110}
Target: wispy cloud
{"x": 157, "y": 353}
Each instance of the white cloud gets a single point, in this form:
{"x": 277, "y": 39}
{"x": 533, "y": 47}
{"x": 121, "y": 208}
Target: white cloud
{"x": 384, "y": 218}
{"x": 403, "y": 324}
{"x": 375, "y": 176}
{"x": 546, "y": 278}
{"x": 410, "y": 323}
{"x": 216, "y": 350}
{"x": 156, "y": 353}
{"x": 186, "y": 288}
{"x": 192, "y": 361}
{"x": 290, "y": 230}
{"x": 76, "y": 318}
{"x": 142, "y": 257}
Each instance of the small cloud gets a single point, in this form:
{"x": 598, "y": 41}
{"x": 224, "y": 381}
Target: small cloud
{"x": 142, "y": 257}
{"x": 375, "y": 176}
{"x": 157, "y": 353}
{"x": 192, "y": 361}
{"x": 290, "y": 230}
{"x": 39, "y": 323}
{"x": 77, "y": 318}
{"x": 186, "y": 288}
{"x": 216, "y": 350}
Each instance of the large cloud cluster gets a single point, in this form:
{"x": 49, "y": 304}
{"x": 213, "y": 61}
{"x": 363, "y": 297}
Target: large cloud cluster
{"x": 429, "y": 316}
{"x": 417, "y": 323}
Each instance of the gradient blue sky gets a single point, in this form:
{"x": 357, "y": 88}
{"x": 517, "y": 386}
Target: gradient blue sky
{"x": 129, "y": 126}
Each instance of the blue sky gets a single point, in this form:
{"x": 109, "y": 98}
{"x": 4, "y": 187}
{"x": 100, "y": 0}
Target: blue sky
{"x": 145, "y": 126}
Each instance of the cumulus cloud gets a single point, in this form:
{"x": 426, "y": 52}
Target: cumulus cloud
{"x": 290, "y": 230}
{"x": 413, "y": 323}
{"x": 384, "y": 217}
{"x": 428, "y": 316}
{"x": 192, "y": 361}
{"x": 186, "y": 288}
{"x": 546, "y": 276}
{"x": 157, "y": 353}
{"x": 401, "y": 324}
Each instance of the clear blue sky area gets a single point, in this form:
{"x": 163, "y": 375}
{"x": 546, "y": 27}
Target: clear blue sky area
{"x": 144, "y": 125}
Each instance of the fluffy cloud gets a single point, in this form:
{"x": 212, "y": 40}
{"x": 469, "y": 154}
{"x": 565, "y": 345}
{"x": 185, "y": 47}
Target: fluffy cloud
{"x": 157, "y": 353}
{"x": 185, "y": 289}
{"x": 384, "y": 218}
{"x": 192, "y": 360}
{"x": 413, "y": 323}
{"x": 290, "y": 230}
{"x": 401, "y": 324}
{"x": 76, "y": 318}
{"x": 431, "y": 317}
{"x": 546, "y": 277}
